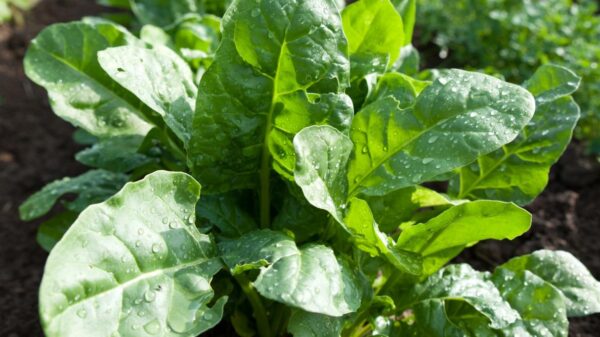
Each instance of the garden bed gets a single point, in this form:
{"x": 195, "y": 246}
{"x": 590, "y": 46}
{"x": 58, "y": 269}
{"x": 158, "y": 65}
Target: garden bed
{"x": 36, "y": 148}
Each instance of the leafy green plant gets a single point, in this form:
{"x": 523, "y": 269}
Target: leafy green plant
{"x": 514, "y": 37}
{"x": 311, "y": 151}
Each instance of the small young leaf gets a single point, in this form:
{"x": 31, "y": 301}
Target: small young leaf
{"x": 375, "y": 35}
{"x": 133, "y": 265}
{"x": 91, "y": 187}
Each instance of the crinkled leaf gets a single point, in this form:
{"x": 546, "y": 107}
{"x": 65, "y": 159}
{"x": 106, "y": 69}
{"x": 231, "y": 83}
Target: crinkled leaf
{"x": 456, "y": 283}
{"x": 561, "y": 269}
{"x": 50, "y": 232}
{"x": 139, "y": 256}
{"x": 456, "y": 119}
{"x": 279, "y": 68}
{"x": 445, "y": 236}
{"x": 541, "y": 306}
{"x": 117, "y": 154}
{"x": 159, "y": 78}
{"x": 306, "y": 324}
{"x": 63, "y": 60}
{"x": 310, "y": 278}
{"x": 519, "y": 171}
{"x": 91, "y": 187}
{"x": 375, "y": 35}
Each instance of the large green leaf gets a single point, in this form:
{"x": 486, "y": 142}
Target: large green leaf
{"x": 375, "y": 35}
{"x": 133, "y": 266}
{"x": 445, "y": 236}
{"x": 519, "y": 171}
{"x": 91, "y": 187}
{"x": 456, "y": 119}
{"x": 310, "y": 278}
{"x": 63, "y": 60}
{"x": 408, "y": 11}
{"x": 540, "y": 305}
{"x": 457, "y": 283}
{"x": 322, "y": 154}
{"x": 280, "y": 67}
{"x": 561, "y": 269}
{"x": 306, "y": 324}
{"x": 159, "y": 78}
{"x": 300, "y": 217}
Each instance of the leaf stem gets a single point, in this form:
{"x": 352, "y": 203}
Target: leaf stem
{"x": 265, "y": 186}
{"x": 260, "y": 314}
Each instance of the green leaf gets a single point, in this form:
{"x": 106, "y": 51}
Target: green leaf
{"x": 400, "y": 206}
{"x": 159, "y": 78}
{"x": 224, "y": 212}
{"x": 519, "y": 171}
{"x": 63, "y": 60}
{"x": 117, "y": 154}
{"x": 300, "y": 217}
{"x": 396, "y": 148}
{"x": 456, "y": 283}
{"x": 445, "y": 236}
{"x": 164, "y": 13}
{"x": 50, "y": 232}
{"x": 280, "y": 67}
{"x": 322, "y": 154}
{"x": 310, "y": 278}
{"x": 540, "y": 305}
{"x": 408, "y": 11}
{"x": 306, "y": 324}
{"x": 91, "y": 187}
{"x": 375, "y": 35}
{"x": 115, "y": 3}
{"x": 133, "y": 266}
{"x": 580, "y": 290}
{"x": 551, "y": 82}
{"x": 368, "y": 238}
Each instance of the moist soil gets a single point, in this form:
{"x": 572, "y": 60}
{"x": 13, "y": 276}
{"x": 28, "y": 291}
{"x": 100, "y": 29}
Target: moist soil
{"x": 36, "y": 148}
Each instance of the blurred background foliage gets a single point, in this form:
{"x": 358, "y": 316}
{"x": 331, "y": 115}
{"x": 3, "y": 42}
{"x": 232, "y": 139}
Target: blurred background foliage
{"x": 512, "y": 38}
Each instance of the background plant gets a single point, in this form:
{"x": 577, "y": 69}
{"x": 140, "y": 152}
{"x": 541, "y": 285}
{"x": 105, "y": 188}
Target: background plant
{"x": 8, "y": 8}
{"x": 514, "y": 37}
{"x": 312, "y": 152}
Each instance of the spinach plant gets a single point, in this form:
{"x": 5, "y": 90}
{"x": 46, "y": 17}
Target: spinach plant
{"x": 10, "y": 9}
{"x": 313, "y": 152}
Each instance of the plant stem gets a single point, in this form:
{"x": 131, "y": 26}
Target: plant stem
{"x": 260, "y": 314}
{"x": 265, "y": 186}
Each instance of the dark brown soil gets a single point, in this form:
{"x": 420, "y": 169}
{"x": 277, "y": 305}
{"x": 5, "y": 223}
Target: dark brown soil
{"x": 36, "y": 148}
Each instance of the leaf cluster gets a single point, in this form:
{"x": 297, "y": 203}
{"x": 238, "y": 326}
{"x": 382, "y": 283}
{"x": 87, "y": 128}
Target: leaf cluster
{"x": 315, "y": 153}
